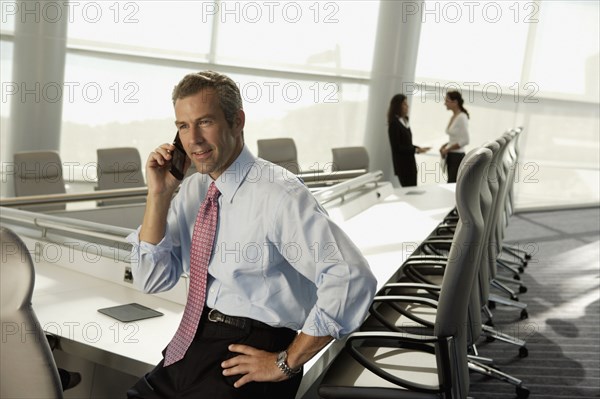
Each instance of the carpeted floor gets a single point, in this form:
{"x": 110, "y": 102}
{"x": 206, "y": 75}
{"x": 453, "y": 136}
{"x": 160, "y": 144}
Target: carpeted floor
{"x": 563, "y": 294}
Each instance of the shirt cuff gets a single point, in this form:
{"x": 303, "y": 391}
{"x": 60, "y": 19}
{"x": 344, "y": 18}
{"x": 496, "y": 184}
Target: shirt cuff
{"x": 143, "y": 247}
{"x": 319, "y": 324}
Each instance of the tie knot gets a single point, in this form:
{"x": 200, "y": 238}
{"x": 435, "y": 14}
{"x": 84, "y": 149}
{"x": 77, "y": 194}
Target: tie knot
{"x": 213, "y": 192}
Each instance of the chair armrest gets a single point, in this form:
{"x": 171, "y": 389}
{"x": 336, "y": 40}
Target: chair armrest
{"x": 432, "y": 290}
{"x": 426, "y": 344}
{"x": 435, "y": 246}
{"x": 426, "y": 287}
{"x": 438, "y": 240}
{"x": 450, "y": 227}
{"x": 393, "y": 300}
{"x": 416, "y": 271}
{"x": 426, "y": 260}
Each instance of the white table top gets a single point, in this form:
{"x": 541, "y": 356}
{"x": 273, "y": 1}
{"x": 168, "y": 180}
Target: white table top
{"x": 67, "y": 303}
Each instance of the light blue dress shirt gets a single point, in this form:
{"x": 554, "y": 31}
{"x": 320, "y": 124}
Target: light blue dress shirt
{"x": 277, "y": 257}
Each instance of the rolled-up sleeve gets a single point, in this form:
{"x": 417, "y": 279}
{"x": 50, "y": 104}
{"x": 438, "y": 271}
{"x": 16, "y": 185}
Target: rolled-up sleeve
{"x": 344, "y": 283}
{"x": 154, "y": 267}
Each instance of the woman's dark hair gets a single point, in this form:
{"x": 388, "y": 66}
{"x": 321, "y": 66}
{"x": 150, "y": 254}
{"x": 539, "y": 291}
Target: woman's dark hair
{"x": 456, "y": 96}
{"x": 394, "y": 109}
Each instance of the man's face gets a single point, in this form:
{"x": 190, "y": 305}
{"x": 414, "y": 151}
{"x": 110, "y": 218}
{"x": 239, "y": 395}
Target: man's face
{"x": 206, "y": 137}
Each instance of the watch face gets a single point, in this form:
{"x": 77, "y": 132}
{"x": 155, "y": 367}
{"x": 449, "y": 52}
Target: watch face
{"x": 282, "y": 356}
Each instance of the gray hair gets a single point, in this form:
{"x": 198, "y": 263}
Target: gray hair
{"x": 230, "y": 99}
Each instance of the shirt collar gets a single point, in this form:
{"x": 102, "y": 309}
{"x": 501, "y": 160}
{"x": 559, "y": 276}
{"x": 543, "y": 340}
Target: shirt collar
{"x": 232, "y": 178}
{"x": 405, "y": 122}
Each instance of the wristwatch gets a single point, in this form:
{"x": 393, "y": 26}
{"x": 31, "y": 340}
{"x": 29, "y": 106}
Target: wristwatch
{"x": 281, "y": 362}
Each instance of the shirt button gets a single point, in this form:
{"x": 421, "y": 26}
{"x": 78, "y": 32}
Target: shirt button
{"x": 212, "y": 290}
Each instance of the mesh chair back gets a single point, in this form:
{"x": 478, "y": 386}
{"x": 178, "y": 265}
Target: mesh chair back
{"x": 463, "y": 258}
{"x": 119, "y": 168}
{"x": 280, "y": 151}
{"x": 350, "y": 158}
{"x": 39, "y": 173}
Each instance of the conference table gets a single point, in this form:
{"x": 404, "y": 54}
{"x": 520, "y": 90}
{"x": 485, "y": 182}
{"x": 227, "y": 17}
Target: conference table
{"x": 73, "y": 283}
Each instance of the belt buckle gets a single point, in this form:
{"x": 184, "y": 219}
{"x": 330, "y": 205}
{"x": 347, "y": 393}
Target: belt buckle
{"x": 215, "y": 316}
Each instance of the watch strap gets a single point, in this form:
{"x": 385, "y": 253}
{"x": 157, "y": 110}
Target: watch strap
{"x": 284, "y": 367}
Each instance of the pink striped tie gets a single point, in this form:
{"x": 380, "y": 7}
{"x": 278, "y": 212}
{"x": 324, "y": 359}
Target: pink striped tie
{"x": 202, "y": 243}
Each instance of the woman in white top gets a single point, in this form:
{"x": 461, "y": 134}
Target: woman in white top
{"x": 458, "y": 131}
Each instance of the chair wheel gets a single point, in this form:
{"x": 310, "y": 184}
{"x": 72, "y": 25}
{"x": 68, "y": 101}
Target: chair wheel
{"x": 523, "y": 352}
{"x": 522, "y": 289}
{"x": 521, "y": 269}
{"x": 524, "y": 314}
{"x": 514, "y": 298}
{"x": 491, "y": 305}
{"x": 522, "y": 392}
{"x": 525, "y": 263}
{"x": 489, "y": 323}
{"x": 517, "y": 277}
{"x": 527, "y": 256}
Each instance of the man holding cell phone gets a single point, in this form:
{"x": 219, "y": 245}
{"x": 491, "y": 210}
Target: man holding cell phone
{"x": 265, "y": 260}
{"x": 179, "y": 160}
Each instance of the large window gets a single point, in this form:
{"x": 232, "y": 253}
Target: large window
{"x": 180, "y": 29}
{"x": 564, "y": 61}
{"x": 533, "y": 64}
{"x": 115, "y": 104}
{"x": 6, "y": 49}
{"x": 306, "y": 35}
{"x": 134, "y": 108}
{"x": 302, "y": 68}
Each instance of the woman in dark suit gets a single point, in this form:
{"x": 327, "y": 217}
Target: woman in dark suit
{"x": 403, "y": 150}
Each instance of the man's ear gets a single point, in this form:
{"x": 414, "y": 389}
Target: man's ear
{"x": 239, "y": 121}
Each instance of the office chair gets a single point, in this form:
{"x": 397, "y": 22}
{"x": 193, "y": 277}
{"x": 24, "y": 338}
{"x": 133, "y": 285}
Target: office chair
{"x": 504, "y": 165}
{"x": 432, "y": 249}
{"x": 350, "y": 158}
{"x": 497, "y": 185}
{"x": 426, "y": 273}
{"x": 384, "y": 364}
{"x": 28, "y": 368}
{"x": 518, "y": 263}
{"x": 119, "y": 167}
{"x": 436, "y": 244}
{"x": 39, "y": 173}
{"x": 522, "y": 255}
{"x": 280, "y": 151}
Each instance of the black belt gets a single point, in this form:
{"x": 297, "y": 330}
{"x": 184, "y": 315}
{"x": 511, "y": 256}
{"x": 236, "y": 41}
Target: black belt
{"x": 244, "y": 323}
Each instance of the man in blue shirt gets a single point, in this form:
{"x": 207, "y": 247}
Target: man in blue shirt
{"x": 279, "y": 264}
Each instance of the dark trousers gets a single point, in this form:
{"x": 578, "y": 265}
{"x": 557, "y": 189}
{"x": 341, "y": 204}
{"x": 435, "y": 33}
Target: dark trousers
{"x": 200, "y": 375}
{"x": 408, "y": 180}
{"x": 453, "y": 160}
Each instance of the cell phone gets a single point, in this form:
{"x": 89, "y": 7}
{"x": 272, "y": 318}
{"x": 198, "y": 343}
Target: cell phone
{"x": 178, "y": 160}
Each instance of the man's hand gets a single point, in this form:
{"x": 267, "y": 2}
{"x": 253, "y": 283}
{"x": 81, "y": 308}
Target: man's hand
{"x": 161, "y": 186}
{"x": 253, "y": 365}
{"x": 160, "y": 180}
